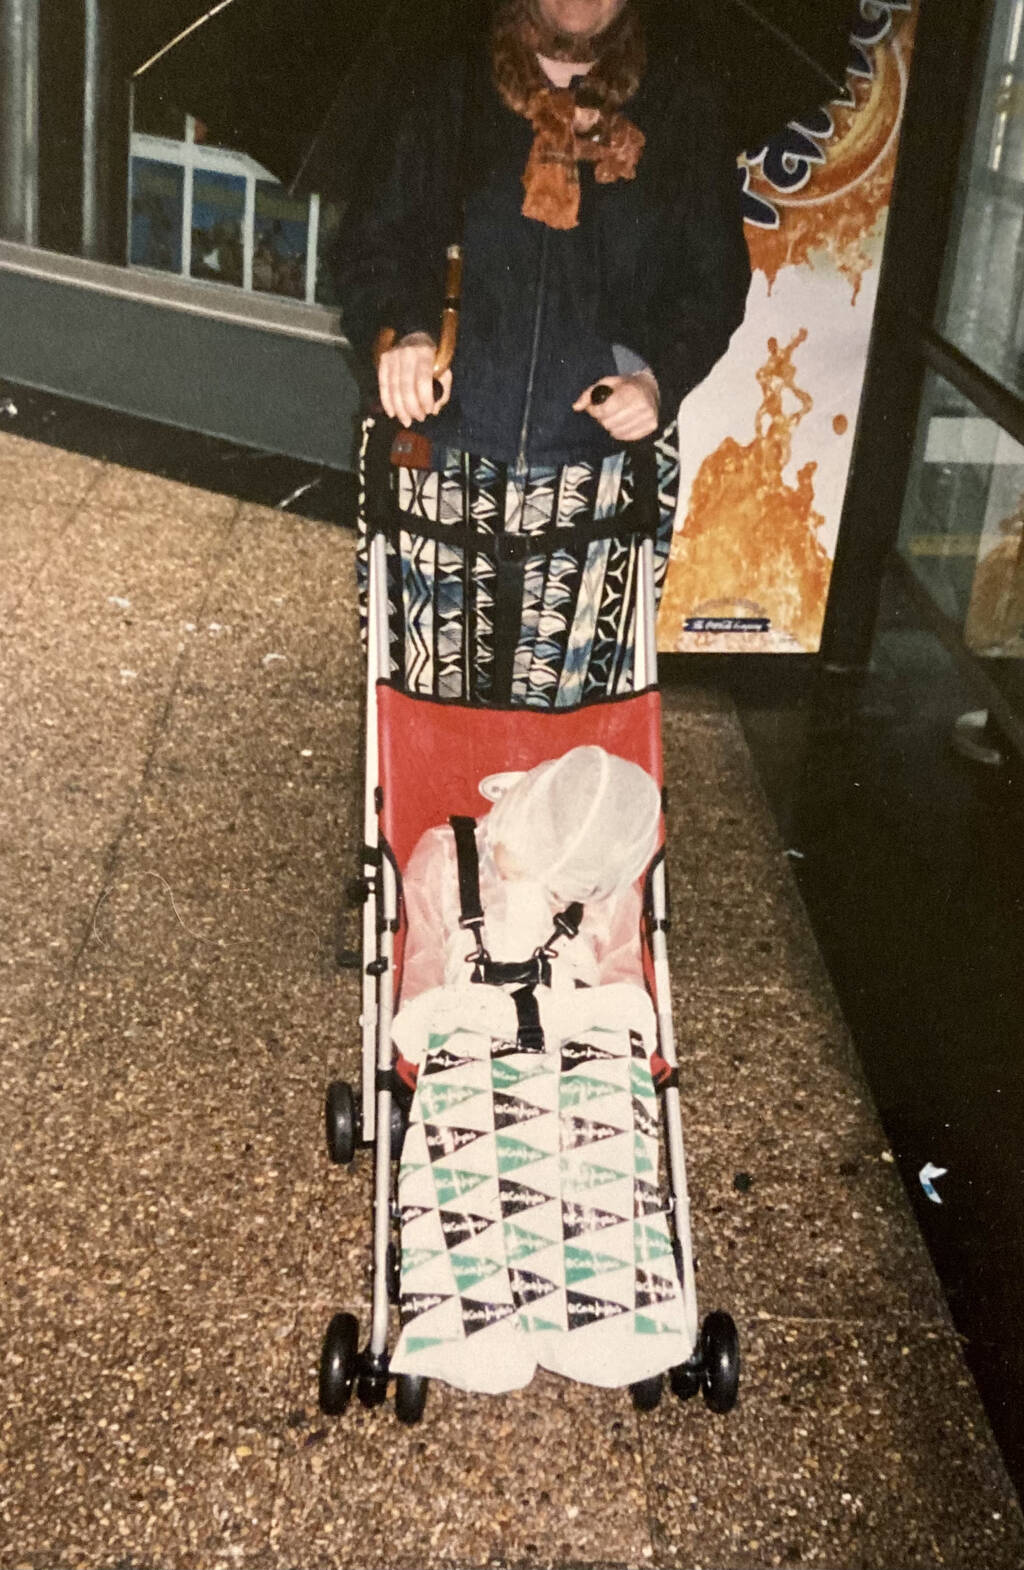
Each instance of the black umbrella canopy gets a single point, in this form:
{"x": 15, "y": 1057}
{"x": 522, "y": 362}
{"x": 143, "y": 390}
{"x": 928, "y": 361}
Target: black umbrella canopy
{"x": 260, "y": 74}
{"x": 309, "y": 87}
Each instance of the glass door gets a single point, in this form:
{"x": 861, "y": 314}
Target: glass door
{"x": 961, "y": 535}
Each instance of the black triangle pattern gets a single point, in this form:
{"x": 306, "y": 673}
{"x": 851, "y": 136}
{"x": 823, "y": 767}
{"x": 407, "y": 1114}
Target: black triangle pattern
{"x": 576, "y": 1052}
{"x": 413, "y": 1304}
{"x": 584, "y": 1310}
{"x": 527, "y": 1287}
{"x": 504, "y": 1049}
{"x": 443, "y": 1141}
{"x": 647, "y": 1200}
{"x": 509, "y": 1110}
{"x": 516, "y": 1197}
{"x": 643, "y": 1121}
{"x": 441, "y": 1062}
{"x": 459, "y": 1228}
{"x": 636, "y": 1045}
{"x": 577, "y": 1219}
{"x": 575, "y": 1132}
{"x": 409, "y": 1213}
{"x": 478, "y": 1316}
{"x": 652, "y": 1289}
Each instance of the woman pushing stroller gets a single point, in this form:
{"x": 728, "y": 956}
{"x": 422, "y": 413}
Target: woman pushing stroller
{"x": 603, "y": 255}
{"x": 519, "y": 508}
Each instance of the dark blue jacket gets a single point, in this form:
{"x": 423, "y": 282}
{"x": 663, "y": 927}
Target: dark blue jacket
{"x": 657, "y": 264}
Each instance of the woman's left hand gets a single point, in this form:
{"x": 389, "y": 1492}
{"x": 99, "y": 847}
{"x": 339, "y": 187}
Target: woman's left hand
{"x": 630, "y": 412}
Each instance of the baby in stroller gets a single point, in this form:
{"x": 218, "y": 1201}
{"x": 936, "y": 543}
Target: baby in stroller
{"x": 534, "y": 1230}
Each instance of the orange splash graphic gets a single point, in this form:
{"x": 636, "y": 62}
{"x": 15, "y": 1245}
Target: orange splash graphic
{"x": 843, "y": 205}
{"x": 749, "y": 536}
{"x": 995, "y": 618}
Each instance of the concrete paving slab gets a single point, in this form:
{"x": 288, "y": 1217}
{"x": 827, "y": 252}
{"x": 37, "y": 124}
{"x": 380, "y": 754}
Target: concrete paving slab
{"x": 136, "y": 493}
{"x": 148, "y": 1432}
{"x": 782, "y": 1058}
{"x": 170, "y": 1141}
{"x": 29, "y": 533}
{"x": 549, "y": 1475}
{"x": 853, "y": 1447}
{"x": 807, "y": 1225}
{"x": 36, "y": 472}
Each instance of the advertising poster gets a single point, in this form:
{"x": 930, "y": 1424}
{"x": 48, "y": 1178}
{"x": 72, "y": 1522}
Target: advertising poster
{"x": 767, "y": 439}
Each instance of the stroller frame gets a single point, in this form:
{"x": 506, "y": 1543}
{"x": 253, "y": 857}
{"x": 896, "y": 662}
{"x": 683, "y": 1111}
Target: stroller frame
{"x": 378, "y": 1120}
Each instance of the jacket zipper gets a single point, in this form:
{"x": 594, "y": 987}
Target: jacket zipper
{"x": 524, "y": 429}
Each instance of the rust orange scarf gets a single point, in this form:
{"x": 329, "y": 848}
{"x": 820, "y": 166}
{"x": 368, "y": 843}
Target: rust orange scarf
{"x": 611, "y": 143}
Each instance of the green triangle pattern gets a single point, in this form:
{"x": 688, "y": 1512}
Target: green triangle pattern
{"x": 469, "y": 1270}
{"x": 641, "y": 1156}
{"x": 580, "y": 1176}
{"x": 641, "y": 1082}
{"x": 520, "y": 1244}
{"x": 645, "y": 1326}
{"x": 582, "y": 1263}
{"x": 649, "y": 1243}
{"x": 452, "y": 1183}
{"x": 534, "y": 1324}
{"x": 516, "y": 1153}
{"x": 575, "y": 1089}
{"x": 506, "y": 1076}
{"x": 437, "y": 1099}
{"x": 416, "y": 1258}
{"x": 421, "y": 1343}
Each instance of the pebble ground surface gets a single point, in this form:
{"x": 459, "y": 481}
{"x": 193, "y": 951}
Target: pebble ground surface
{"x": 179, "y": 808}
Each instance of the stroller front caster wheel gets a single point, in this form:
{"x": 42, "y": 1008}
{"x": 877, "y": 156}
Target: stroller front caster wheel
{"x": 339, "y": 1361}
{"x": 685, "y": 1380}
{"x": 372, "y": 1389}
{"x": 410, "y": 1398}
{"x": 372, "y": 1384}
{"x": 720, "y": 1359}
{"x": 646, "y": 1393}
{"x": 341, "y": 1122}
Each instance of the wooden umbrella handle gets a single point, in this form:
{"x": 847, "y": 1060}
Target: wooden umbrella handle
{"x": 448, "y": 336}
{"x": 449, "y": 333}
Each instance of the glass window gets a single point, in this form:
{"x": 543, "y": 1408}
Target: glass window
{"x": 982, "y": 302}
{"x": 280, "y": 242}
{"x": 327, "y": 235}
{"x": 218, "y": 212}
{"x": 157, "y": 205}
{"x": 962, "y": 529}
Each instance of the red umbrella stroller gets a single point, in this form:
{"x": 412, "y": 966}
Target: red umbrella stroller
{"x": 525, "y": 1224}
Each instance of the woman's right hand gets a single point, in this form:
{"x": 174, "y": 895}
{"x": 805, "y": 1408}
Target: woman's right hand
{"x": 405, "y": 376}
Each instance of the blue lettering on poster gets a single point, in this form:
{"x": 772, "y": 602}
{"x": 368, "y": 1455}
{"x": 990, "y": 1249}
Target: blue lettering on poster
{"x": 787, "y": 161}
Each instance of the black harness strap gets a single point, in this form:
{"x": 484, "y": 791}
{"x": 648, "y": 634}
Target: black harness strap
{"x": 527, "y": 973}
{"x": 530, "y": 1032}
{"x": 471, "y": 911}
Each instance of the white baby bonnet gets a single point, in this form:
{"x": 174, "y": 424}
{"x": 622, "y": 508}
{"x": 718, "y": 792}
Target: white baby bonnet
{"x": 583, "y": 825}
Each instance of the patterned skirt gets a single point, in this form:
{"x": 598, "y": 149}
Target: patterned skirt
{"x": 516, "y": 589}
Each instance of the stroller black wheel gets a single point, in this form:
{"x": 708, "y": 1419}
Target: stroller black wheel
{"x": 646, "y": 1393}
{"x": 685, "y": 1380}
{"x": 341, "y": 1122}
{"x": 410, "y": 1398}
{"x": 372, "y": 1389}
{"x": 393, "y": 1267}
{"x": 720, "y": 1355}
{"x": 339, "y": 1360}
{"x": 399, "y": 1124}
